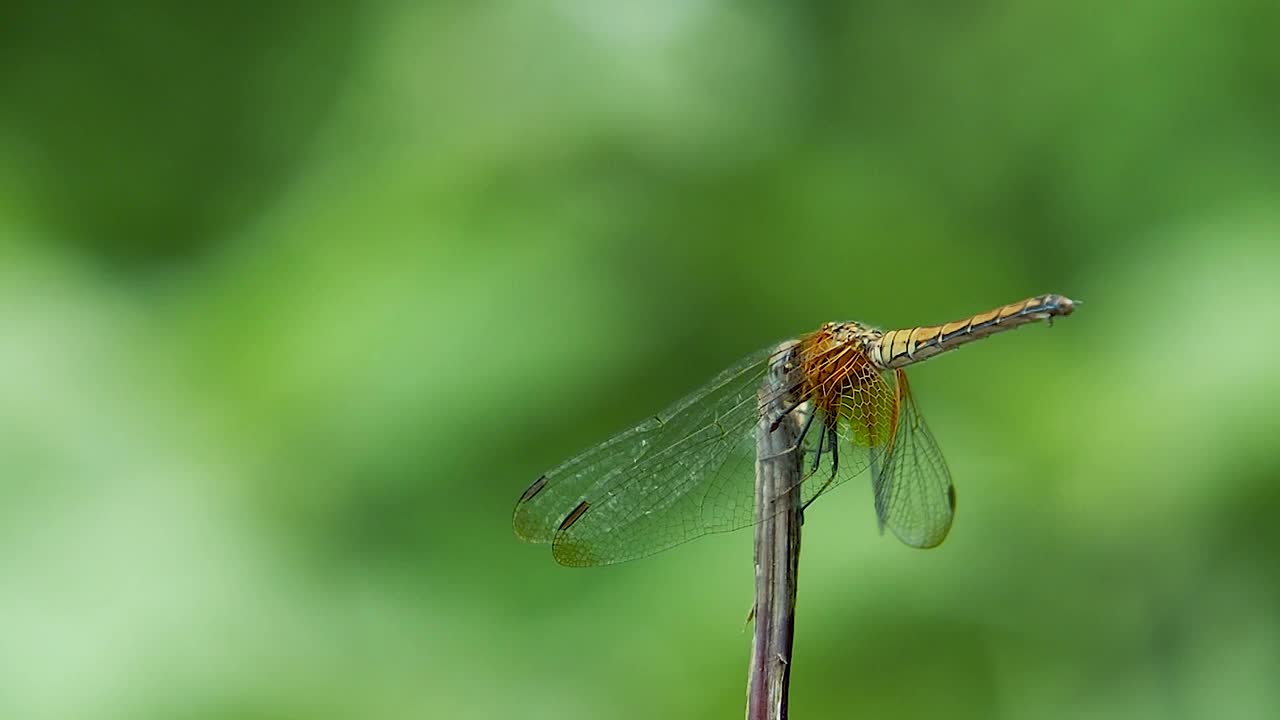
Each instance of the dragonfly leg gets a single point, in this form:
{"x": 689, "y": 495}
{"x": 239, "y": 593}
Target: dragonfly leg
{"x": 835, "y": 454}
{"x": 783, "y": 415}
{"x": 835, "y": 465}
{"x": 804, "y": 430}
{"x": 817, "y": 457}
{"x": 799, "y": 440}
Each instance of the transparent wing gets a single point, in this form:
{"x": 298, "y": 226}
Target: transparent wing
{"x": 683, "y": 473}
{"x": 913, "y": 492}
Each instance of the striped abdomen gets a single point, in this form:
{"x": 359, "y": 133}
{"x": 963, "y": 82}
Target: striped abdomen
{"x": 897, "y": 348}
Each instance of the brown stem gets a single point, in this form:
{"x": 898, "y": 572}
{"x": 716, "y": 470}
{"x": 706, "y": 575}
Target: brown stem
{"x": 777, "y": 549}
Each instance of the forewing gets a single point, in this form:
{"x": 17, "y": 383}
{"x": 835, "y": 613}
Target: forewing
{"x": 913, "y": 492}
{"x": 681, "y": 474}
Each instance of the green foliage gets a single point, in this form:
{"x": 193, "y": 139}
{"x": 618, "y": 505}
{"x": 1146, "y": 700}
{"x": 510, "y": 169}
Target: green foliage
{"x": 296, "y": 300}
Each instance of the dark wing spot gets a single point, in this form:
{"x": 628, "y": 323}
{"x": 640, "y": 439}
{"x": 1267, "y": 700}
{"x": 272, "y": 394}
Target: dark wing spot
{"x": 534, "y": 489}
{"x": 573, "y": 516}
{"x": 951, "y": 497}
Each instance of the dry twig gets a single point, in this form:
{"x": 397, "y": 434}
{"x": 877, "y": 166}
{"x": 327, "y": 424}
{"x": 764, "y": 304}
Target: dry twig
{"x": 777, "y": 550}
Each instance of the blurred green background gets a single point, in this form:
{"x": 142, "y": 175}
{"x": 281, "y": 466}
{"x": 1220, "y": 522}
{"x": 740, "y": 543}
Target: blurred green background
{"x": 295, "y": 300}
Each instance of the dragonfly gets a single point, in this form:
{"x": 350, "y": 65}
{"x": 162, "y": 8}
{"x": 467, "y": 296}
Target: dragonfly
{"x": 688, "y": 471}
